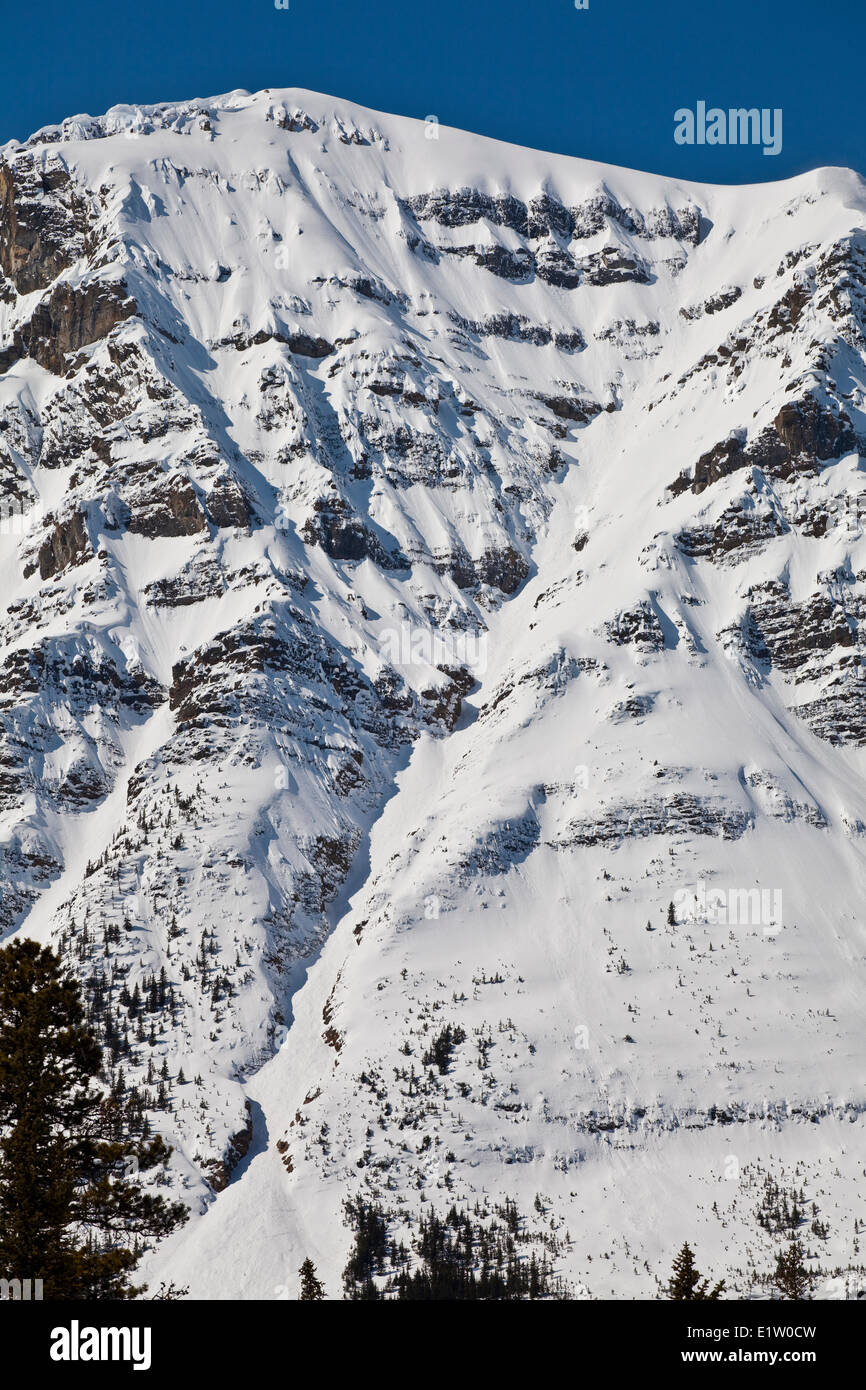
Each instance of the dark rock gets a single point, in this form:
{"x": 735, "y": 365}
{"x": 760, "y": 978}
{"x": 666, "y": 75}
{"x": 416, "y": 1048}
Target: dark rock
{"x": 740, "y": 525}
{"x": 170, "y": 509}
{"x": 685, "y": 224}
{"x": 715, "y": 304}
{"x": 518, "y": 328}
{"x": 681, "y": 814}
{"x": 68, "y": 544}
{"x": 444, "y": 703}
{"x": 724, "y": 458}
{"x": 796, "y": 634}
{"x": 299, "y": 343}
{"x": 816, "y": 641}
{"x": 344, "y": 536}
{"x": 639, "y": 627}
{"x": 556, "y": 267}
{"x": 576, "y": 408}
{"x": 504, "y": 569}
{"x": 809, "y": 430}
{"x": 547, "y": 215}
{"x": 70, "y": 318}
{"x": 466, "y": 205}
{"x": 305, "y": 346}
{"x": 508, "y": 265}
{"x": 42, "y": 223}
{"x": 613, "y": 266}
{"x": 802, "y": 435}
{"x": 227, "y": 503}
{"x": 220, "y": 1170}
{"x": 295, "y": 121}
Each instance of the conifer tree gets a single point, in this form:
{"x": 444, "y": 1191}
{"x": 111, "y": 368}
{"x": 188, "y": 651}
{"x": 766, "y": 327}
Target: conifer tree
{"x": 792, "y": 1277}
{"x": 686, "y": 1281}
{"x": 72, "y": 1212}
{"x": 311, "y": 1287}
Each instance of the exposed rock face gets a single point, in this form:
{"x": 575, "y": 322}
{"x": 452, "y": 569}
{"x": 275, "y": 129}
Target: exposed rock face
{"x": 839, "y": 716}
{"x": 613, "y": 266}
{"x": 809, "y": 432}
{"x": 545, "y": 215}
{"x": 551, "y": 230}
{"x": 445, "y": 702}
{"x": 518, "y": 328}
{"x": 464, "y": 206}
{"x": 345, "y": 537}
{"x": 639, "y": 627}
{"x": 200, "y": 580}
{"x": 681, "y": 814}
{"x": 68, "y": 544}
{"x": 502, "y": 569}
{"x": 742, "y": 526}
{"x": 714, "y": 305}
{"x": 556, "y": 267}
{"x": 574, "y": 408}
{"x": 802, "y": 435}
{"x": 726, "y": 457}
{"x": 797, "y": 634}
{"x": 27, "y": 865}
{"x": 298, "y": 343}
{"x": 170, "y": 509}
{"x": 70, "y": 318}
{"x": 227, "y": 503}
{"x": 43, "y": 223}
{"x": 237, "y": 1148}
{"x": 499, "y": 260}
{"x": 815, "y": 645}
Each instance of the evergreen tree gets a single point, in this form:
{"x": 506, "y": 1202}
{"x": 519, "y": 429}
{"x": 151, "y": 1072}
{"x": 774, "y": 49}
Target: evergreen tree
{"x": 311, "y": 1287}
{"x": 793, "y": 1278}
{"x": 455, "y": 1258}
{"x": 369, "y": 1252}
{"x": 72, "y": 1212}
{"x": 686, "y": 1282}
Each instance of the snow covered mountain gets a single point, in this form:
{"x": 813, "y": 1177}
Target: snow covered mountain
{"x": 433, "y": 691}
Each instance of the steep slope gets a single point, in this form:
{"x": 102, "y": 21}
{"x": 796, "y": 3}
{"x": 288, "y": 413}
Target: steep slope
{"x": 425, "y": 560}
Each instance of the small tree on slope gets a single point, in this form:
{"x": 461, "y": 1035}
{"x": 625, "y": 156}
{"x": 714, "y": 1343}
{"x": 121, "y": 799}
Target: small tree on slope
{"x": 311, "y": 1287}
{"x": 71, "y": 1210}
{"x": 686, "y": 1282}
{"x": 792, "y": 1276}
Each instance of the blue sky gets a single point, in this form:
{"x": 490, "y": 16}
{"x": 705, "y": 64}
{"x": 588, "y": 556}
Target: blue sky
{"x": 603, "y": 82}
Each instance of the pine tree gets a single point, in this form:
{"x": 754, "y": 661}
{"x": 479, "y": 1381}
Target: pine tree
{"x": 672, "y": 915}
{"x": 71, "y": 1211}
{"x": 311, "y": 1287}
{"x": 686, "y": 1282}
{"x": 792, "y": 1277}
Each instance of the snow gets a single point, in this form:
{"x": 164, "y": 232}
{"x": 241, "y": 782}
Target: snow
{"x": 468, "y": 863}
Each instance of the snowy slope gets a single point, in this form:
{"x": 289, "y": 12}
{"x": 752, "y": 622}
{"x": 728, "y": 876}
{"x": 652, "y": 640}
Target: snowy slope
{"x": 426, "y": 560}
